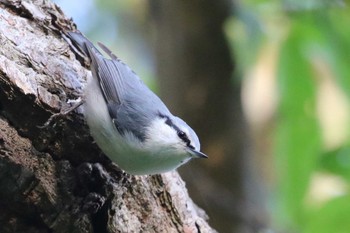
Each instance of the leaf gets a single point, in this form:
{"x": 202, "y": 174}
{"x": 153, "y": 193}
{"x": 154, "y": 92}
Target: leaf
{"x": 297, "y": 134}
{"x": 337, "y": 162}
{"x": 332, "y": 217}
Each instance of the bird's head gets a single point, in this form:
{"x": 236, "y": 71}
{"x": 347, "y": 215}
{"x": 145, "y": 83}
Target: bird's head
{"x": 175, "y": 135}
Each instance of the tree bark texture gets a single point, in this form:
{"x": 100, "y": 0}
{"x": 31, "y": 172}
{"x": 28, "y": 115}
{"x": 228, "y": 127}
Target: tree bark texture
{"x": 55, "y": 179}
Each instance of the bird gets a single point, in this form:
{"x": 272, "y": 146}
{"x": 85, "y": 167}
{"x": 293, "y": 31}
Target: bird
{"x": 129, "y": 122}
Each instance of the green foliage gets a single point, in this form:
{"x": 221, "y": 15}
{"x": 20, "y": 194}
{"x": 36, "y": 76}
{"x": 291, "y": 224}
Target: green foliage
{"x": 310, "y": 33}
{"x": 337, "y": 32}
{"x": 337, "y": 162}
{"x": 332, "y": 217}
{"x": 297, "y": 134}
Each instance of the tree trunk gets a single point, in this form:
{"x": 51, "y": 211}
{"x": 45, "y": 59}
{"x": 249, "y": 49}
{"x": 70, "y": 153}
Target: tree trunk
{"x": 54, "y": 179}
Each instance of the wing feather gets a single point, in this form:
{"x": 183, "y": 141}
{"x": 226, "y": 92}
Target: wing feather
{"x": 132, "y": 106}
{"x": 108, "y": 77}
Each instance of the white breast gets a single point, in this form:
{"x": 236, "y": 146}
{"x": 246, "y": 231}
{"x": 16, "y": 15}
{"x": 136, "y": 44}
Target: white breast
{"x": 127, "y": 151}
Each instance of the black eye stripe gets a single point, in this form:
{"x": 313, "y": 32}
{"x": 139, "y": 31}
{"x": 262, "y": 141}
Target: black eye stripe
{"x": 169, "y": 122}
{"x": 182, "y": 135}
{"x": 191, "y": 147}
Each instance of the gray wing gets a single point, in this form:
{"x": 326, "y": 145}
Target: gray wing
{"x": 102, "y": 68}
{"x": 108, "y": 75}
{"x": 131, "y": 104}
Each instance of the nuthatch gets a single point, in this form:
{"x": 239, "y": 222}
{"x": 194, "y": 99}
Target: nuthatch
{"x": 128, "y": 121}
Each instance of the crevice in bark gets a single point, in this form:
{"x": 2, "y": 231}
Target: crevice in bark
{"x": 100, "y": 219}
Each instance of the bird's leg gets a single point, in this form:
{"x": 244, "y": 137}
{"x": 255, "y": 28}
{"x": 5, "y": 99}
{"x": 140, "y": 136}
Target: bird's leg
{"x": 67, "y": 107}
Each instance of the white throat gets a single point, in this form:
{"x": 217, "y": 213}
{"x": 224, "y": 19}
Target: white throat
{"x": 159, "y": 134}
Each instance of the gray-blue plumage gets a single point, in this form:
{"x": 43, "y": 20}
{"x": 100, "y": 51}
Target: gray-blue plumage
{"x": 119, "y": 85}
{"x": 128, "y": 121}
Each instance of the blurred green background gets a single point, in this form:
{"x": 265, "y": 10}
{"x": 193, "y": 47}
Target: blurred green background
{"x": 266, "y": 84}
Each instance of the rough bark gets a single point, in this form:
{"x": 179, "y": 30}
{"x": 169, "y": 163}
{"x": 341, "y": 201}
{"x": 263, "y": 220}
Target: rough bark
{"x": 54, "y": 179}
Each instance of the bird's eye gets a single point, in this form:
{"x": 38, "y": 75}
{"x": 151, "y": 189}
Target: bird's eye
{"x": 184, "y": 138}
{"x": 181, "y": 134}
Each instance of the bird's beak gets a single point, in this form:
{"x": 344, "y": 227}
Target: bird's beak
{"x": 198, "y": 154}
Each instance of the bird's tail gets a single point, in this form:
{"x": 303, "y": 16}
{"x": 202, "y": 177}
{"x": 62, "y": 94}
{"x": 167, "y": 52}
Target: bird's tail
{"x": 81, "y": 42}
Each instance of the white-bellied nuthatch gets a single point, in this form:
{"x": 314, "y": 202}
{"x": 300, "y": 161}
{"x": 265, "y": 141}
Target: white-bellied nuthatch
{"x": 128, "y": 121}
